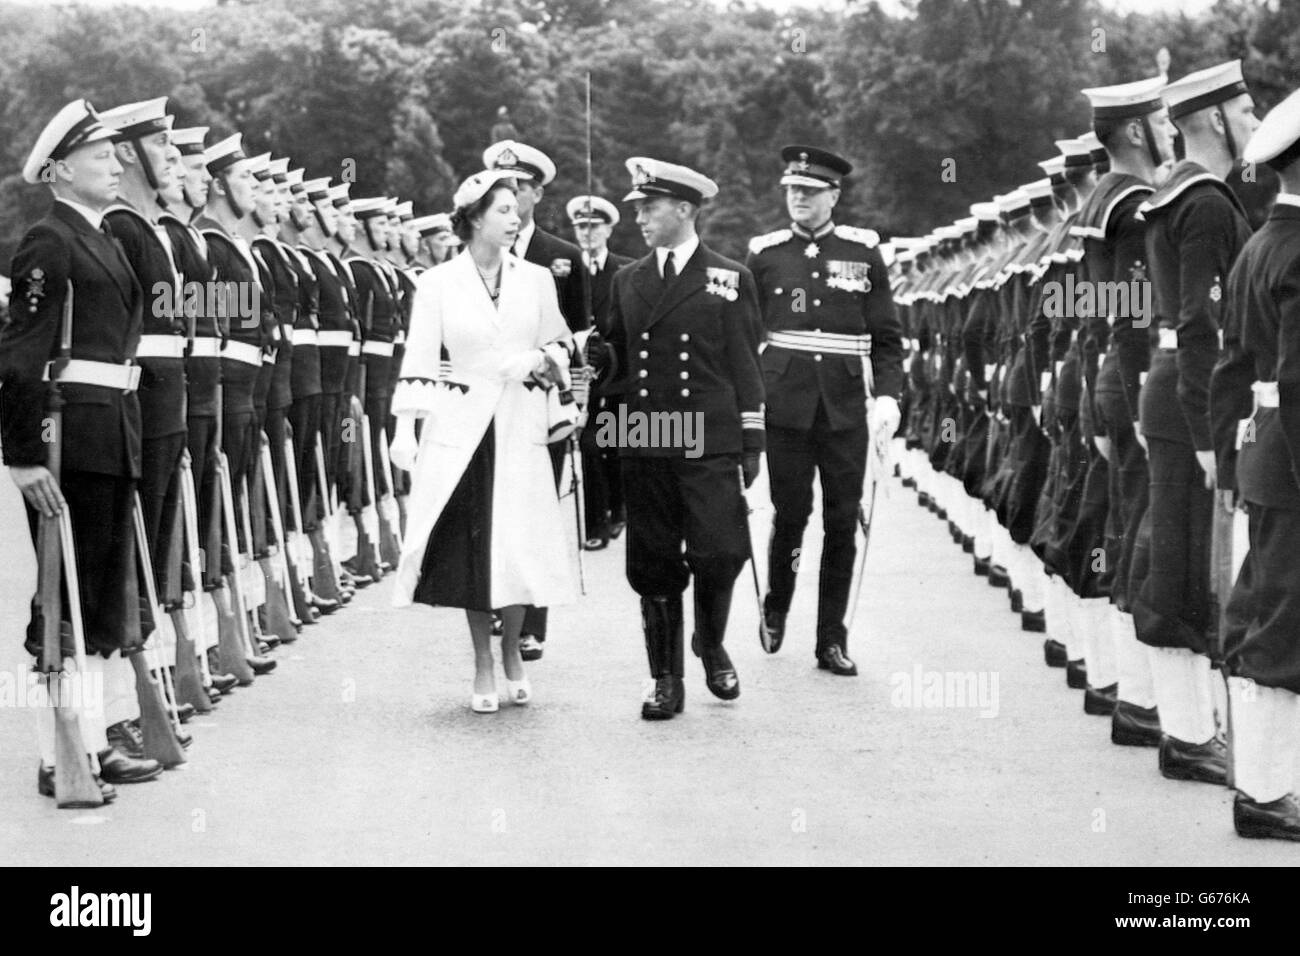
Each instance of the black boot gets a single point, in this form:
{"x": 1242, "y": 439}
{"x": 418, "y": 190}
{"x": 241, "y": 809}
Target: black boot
{"x": 773, "y": 626}
{"x": 832, "y": 605}
{"x": 661, "y": 619}
{"x": 712, "y": 605}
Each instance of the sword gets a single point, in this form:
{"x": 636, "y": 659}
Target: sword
{"x": 764, "y": 635}
{"x": 866, "y": 518}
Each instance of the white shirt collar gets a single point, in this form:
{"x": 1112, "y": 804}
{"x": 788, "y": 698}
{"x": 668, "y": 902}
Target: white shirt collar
{"x": 599, "y": 258}
{"x": 681, "y": 254}
{"x": 524, "y": 238}
{"x": 1287, "y": 199}
{"x": 96, "y": 219}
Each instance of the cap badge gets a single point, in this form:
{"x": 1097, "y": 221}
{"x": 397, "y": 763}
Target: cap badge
{"x": 506, "y": 158}
{"x": 1216, "y": 291}
{"x": 640, "y": 177}
{"x": 802, "y": 165}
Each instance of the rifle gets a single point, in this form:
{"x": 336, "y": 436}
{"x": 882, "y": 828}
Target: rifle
{"x": 206, "y": 614}
{"x": 155, "y": 723}
{"x": 1220, "y": 591}
{"x": 327, "y": 548}
{"x": 294, "y": 548}
{"x": 232, "y": 629}
{"x": 243, "y": 635}
{"x": 253, "y": 585}
{"x": 189, "y": 678}
{"x": 390, "y": 539}
{"x": 74, "y": 784}
{"x": 280, "y": 596}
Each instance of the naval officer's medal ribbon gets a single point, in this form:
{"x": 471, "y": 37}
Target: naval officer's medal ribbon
{"x": 848, "y": 276}
{"x": 722, "y": 282}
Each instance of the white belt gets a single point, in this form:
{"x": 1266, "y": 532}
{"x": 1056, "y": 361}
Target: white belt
{"x": 332, "y": 339}
{"x": 1265, "y": 394}
{"x": 1169, "y": 338}
{"x": 205, "y": 346}
{"x": 354, "y": 348}
{"x": 304, "y": 337}
{"x": 832, "y": 342}
{"x": 125, "y": 378}
{"x": 160, "y": 346}
{"x": 377, "y": 348}
{"x": 243, "y": 352}
{"x": 399, "y": 338}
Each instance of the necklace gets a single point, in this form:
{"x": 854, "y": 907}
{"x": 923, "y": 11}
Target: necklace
{"x": 494, "y": 288}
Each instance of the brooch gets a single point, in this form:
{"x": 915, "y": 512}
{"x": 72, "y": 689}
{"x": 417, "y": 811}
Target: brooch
{"x": 722, "y": 282}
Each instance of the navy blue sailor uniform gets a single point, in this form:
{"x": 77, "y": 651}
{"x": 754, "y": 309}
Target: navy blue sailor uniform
{"x": 101, "y": 440}
{"x": 686, "y": 351}
{"x": 826, "y": 305}
{"x": 1195, "y": 229}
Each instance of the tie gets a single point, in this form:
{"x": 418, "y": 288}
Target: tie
{"x": 670, "y": 271}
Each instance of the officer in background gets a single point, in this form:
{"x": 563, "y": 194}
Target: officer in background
{"x": 593, "y": 219}
{"x": 1258, "y": 373}
{"x": 1195, "y": 229}
{"x": 826, "y": 306}
{"x": 66, "y": 250}
{"x": 683, "y": 343}
{"x": 437, "y": 241}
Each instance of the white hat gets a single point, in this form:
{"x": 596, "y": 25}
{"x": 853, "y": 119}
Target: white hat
{"x": 338, "y": 195}
{"x": 189, "y": 140}
{"x": 523, "y": 160}
{"x": 137, "y": 120}
{"x": 1039, "y": 189}
{"x": 651, "y": 177}
{"x": 438, "y": 222}
{"x": 477, "y": 186}
{"x": 260, "y": 165}
{"x": 1076, "y": 153}
{"x": 294, "y": 178}
{"x": 1126, "y": 100}
{"x": 1014, "y": 201}
{"x": 983, "y": 211}
{"x": 1277, "y": 135}
{"x": 317, "y": 190}
{"x": 591, "y": 208}
{"x": 1054, "y": 166}
{"x": 224, "y": 154}
{"x": 967, "y": 224}
{"x": 369, "y": 207}
{"x": 74, "y": 126}
{"x": 404, "y": 210}
{"x": 1204, "y": 88}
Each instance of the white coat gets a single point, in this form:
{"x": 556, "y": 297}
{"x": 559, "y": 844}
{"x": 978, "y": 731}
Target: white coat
{"x": 492, "y": 352}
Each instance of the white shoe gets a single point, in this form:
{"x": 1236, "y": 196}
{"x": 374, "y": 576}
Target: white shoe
{"x": 484, "y": 703}
{"x": 519, "y": 691}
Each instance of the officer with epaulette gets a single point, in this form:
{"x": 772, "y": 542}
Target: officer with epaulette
{"x": 684, "y": 329}
{"x": 1195, "y": 230}
{"x": 826, "y": 306}
{"x": 69, "y": 253}
{"x": 593, "y": 219}
{"x": 533, "y": 171}
{"x": 1132, "y": 124}
{"x": 1255, "y": 381}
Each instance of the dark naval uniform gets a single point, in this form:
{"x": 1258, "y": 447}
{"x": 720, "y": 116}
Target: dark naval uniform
{"x": 1195, "y": 229}
{"x": 101, "y": 441}
{"x": 826, "y": 305}
{"x": 162, "y": 395}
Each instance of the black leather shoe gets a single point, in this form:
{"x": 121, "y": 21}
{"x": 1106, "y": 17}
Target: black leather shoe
{"x": 1035, "y": 622}
{"x": 530, "y": 648}
{"x": 1076, "y": 674}
{"x": 264, "y": 646}
{"x": 324, "y": 605}
{"x": 184, "y": 712}
{"x": 1276, "y": 820}
{"x": 719, "y": 673}
{"x": 998, "y": 577}
{"x": 45, "y": 787}
{"x": 668, "y": 700}
{"x": 774, "y": 624}
{"x": 117, "y": 767}
{"x": 982, "y": 566}
{"x": 1054, "y": 653}
{"x": 968, "y": 544}
{"x": 954, "y": 532}
{"x": 940, "y": 513}
{"x": 833, "y": 659}
{"x": 127, "y": 738}
{"x": 924, "y": 500}
{"x": 1202, "y": 763}
{"x": 909, "y": 482}
{"x": 224, "y": 683}
{"x": 1134, "y": 726}
{"x": 1017, "y": 599}
{"x": 616, "y": 528}
{"x": 261, "y": 665}
{"x": 1100, "y": 701}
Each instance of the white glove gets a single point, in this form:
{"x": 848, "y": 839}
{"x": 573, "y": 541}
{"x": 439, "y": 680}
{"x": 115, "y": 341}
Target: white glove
{"x": 401, "y": 452}
{"x": 885, "y": 418}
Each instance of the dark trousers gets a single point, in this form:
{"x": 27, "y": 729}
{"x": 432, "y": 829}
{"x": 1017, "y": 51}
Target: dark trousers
{"x": 204, "y": 451}
{"x": 237, "y": 443}
{"x": 331, "y": 430}
{"x": 305, "y": 417}
{"x": 1128, "y": 494}
{"x": 685, "y": 518}
{"x": 1262, "y": 639}
{"x": 1172, "y": 607}
{"x": 160, "y": 498}
{"x": 101, "y": 510}
{"x": 535, "y": 617}
{"x": 602, "y": 486}
{"x": 840, "y": 459}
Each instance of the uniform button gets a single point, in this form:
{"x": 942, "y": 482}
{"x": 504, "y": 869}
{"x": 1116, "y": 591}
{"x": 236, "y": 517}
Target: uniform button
{"x": 645, "y": 336}
{"x": 685, "y": 337}
{"x": 684, "y": 356}
{"x": 686, "y": 374}
{"x": 817, "y": 301}
{"x": 686, "y": 393}
{"x": 816, "y": 330}
{"x": 644, "y": 354}
{"x": 643, "y": 373}
{"x": 816, "y": 358}
{"x": 643, "y": 393}
{"x": 777, "y": 291}
{"x": 816, "y": 275}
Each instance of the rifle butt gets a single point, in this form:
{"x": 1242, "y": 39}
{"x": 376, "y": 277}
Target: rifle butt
{"x": 189, "y": 679}
{"x": 231, "y": 644}
{"x": 75, "y": 787}
{"x": 159, "y": 738}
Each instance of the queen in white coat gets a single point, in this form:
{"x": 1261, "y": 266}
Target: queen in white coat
{"x": 484, "y": 526}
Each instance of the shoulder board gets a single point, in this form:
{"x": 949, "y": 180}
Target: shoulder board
{"x": 759, "y": 243}
{"x": 868, "y": 237}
